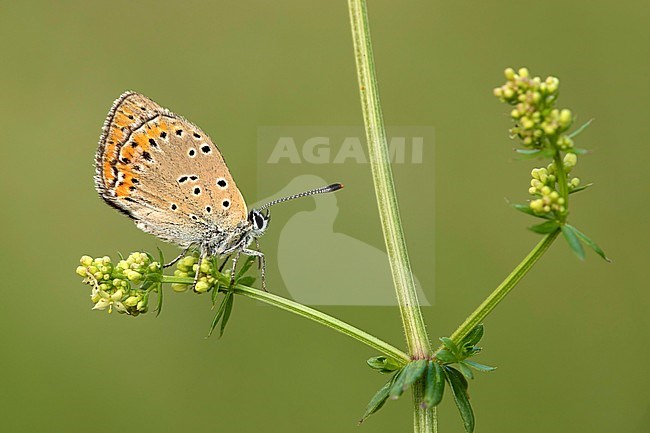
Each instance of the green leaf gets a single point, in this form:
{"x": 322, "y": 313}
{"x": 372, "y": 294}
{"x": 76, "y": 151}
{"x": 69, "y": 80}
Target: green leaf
{"x": 527, "y": 210}
{"x": 572, "y": 238}
{"x": 467, "y": 372}
{"x": 580, "y": 129}
{"x": 525, "y": 154}
{"x": 474, "y": 335}
{"x": 453, "y": 347}
{"x": 219, "y": 314}
{"x": 247, "y": 265}
{"x": 590, "y": 243}
{"x": 378, "y": 400}
{"x": 545, "y": 227}
{"x": 578, "y": 151}
{"x": 230, "y": 299}
{"x": 248, "y": 280}
{"x": 159, "y": 292}
{"x": 580, "y": 188}
{"x": 458, "y": 385}
{"x": 479, "y": 367}
{"x": 215, "y": 292}
{"x": 384, "y": 364}
{"x": 445, "y": 356}
{"x": 397, "y": 387}
{"x": 413, "y": 371}
{"x": 434, "y": 385}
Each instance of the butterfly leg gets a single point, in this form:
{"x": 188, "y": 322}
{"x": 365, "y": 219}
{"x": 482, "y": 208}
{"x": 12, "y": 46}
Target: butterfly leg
{"x": 234, "y": 265}
{"x": 198, "y": 270}
{"x": 260, "y": 256}
{"x": 180, "y": 256}
{"x": 223, "y": 265}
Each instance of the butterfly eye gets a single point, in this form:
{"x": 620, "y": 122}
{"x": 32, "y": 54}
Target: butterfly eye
{"x": 259, "y": 221}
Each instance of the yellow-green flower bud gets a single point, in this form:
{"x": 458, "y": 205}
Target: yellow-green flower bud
{"x": 81, "y": 271}
{"x": 117, "y": 295}
{"x": 537, "y": 205}
{"x": 509, "y": 74}
{"x": 201, "y": 287}
{"x": 545, "y": 190}
{"x": 131, "y": 301}
{"x": 515, "y": 114}
{"x": 498, "y": 92}
{"x": 575, "y": 182}
{"x": 86, "y": 261}
{"x": 527, "y": 123}
{"x": 133, "y": 275}
{"x": 570, "y": 160}
{"x": 508, "y": 93}
{"x": 565, "y": 118}
{"x": 142, "y": 305}
{"x": 532, "y": 190}
{"x": 523, "y": 73}
{"x": 176, "y": 287}
{"x": 205, "y": 266}
{"x": 552, "y": 84}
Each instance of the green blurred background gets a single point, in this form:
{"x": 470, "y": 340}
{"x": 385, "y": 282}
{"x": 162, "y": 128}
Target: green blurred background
{"x": 571, "y": 340}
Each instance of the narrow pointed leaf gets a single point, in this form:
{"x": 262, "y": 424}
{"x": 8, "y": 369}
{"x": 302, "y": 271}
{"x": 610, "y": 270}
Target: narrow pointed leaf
{"x": 573, "y": 241}
{"x": 215, "y": 293}
{"x": 467, "y": 372}
{"x": 159, "y": 292}
{"x": 458, "y": 385}
{"x": 230, "y": 299}
{"x": 378, "y": 400}
{"x": 524, "y": 154}
{"x": 413, "y": 371}
{"x": 247, "y": 265}
{"x": 383, "y": 364}
{"x": 434, "y": 385}
{"x": 479, "y": 367}
{"x": 527, "y": 210}
{"x": 248, "y": 280}
{"x": 580, "y": 188}
{"x": 545, "y": 227}
{"x": 451, "y": 346}
{"x": 580, "y": 129}
{"x": 397, "y": 387}
{"x": 590, "y": 243}
{"x": 474, "y": 335}
{"x": 578, "y": 151}
{"x": 445, "y": 356}
{"x": 217, "y": 316}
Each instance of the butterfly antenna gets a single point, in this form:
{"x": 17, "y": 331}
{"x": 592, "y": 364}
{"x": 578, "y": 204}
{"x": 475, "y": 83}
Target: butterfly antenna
{"x": 323, "y": 189}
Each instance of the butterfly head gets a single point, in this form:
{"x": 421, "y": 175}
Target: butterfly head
{"x": 259, "y": 222}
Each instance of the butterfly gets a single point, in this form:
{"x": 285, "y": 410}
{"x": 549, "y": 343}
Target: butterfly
{"x": 166, "y": 174}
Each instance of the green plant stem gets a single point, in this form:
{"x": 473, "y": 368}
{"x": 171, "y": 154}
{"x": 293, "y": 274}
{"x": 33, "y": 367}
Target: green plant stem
{"x": 312, "y": 314}
{"x": 424, "y": 420}
{"x": 504, "y": 288}
{"x": 417, "y": 339}
{"x": 562, "y": 181}
{"x": 416, "y": 335}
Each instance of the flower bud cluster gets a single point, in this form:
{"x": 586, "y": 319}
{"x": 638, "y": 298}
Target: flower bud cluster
{"x": 112, "y": 285}
{"x": 538, "y": 123}
{"x": 543, "y": 185}
{"x": 188, "y": 266}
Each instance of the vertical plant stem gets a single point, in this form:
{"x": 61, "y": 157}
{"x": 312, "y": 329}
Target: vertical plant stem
{"x": 416, "y": 336}
{"x": 414, "y": 329}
